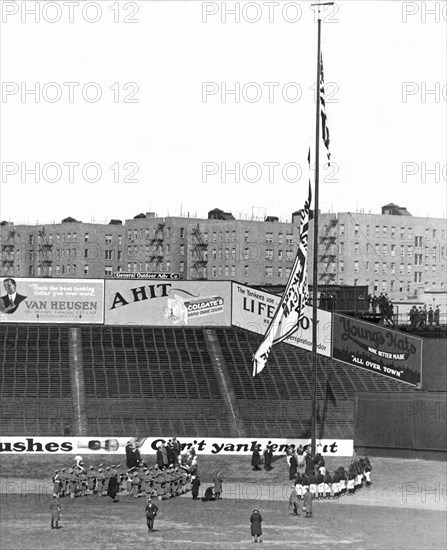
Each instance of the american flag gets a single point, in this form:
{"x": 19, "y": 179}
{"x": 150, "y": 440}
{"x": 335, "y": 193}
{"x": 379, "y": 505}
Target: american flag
{"x": 290, "y": 310}
{"x": 324, "y": 127}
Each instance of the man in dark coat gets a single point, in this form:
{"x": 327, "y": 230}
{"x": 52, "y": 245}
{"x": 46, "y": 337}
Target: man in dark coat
{"x": 209, "y": 494}
{"x": 256, "y": 459}
{"x": 112, "y": 489}
{"x": 195, "y": 484}
{"x": 293, "y": 466}
{"x": 130, "y": 458}
{"x": 309, "y": 464}
{"x": 159, "y": 458}
{"x": 268, "y": 455}
{"x": 307, "y": 504}
{"x": 151, "y": 513}
{"x": 256, "y": 529}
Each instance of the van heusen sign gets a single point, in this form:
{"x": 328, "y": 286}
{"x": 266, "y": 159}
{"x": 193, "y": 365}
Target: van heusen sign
{"x": 378, "y": 349}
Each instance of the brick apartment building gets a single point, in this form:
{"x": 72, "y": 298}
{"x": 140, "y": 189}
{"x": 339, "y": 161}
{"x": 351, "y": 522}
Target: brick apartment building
{"x": 391, "y": 252}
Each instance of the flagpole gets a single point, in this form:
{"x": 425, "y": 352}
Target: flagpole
{"x": 313, "y": 424}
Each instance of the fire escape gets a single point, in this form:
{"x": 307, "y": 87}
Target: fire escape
{"x": 8, "y": 253}
{"x": 157, "y": 243}
{"x": 45, "y": 261}
{"x": 328, "y": 257}
{"x": 199, "y": 254}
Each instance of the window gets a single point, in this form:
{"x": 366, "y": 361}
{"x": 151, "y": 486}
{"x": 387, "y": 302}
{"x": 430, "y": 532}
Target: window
{"x": 227, "y": 253}
{"x": 85, "y": 269}
{"x": 214, "y": 253}
{"x": 168, "y": 249}
{"x": 246, "y": 271}
{"x": 417, "y": 276}
{"x": 182, "y": 250}
{"x": 367, "y": 266}
{"x": 129, "y": 266}
{"x": 342, "y": 248}
{"x": 377, "y": 231}
{"x": 289, "y": 255}
{"x": 280, "y": 271}
{"x": 368, "y": 248}
{"x": 108, "y": 271}
{"x": 108, "y": 254}
{"x": 376, "y": 267}
{"x": 383, "y": 286}
{"x": 68, "y": 237}
{"x": 227, "y": 236}
{"x": 182, "y": 232}
{"x": 376, "y": 248}
{"x": 433, "y": 269}
{"x": 402, "y": 232}
{"x": 418, "y": 259}
{"x": 268, "y": 271}
{"x": 410, "y": 233}
{"x": 401, "y": 269}
{"x": 182, "y": 267}
{"x": 246, "y": 253}
{"x": 341, "y": 266}
{"x": 393, "y": 268}
{"x": 85, "y": 252}
{"x": 269, "y": 237}
{"x": 342, "y": 230}
{"x": 219, "y": 268}
{"x": 280, "y": 255}
{"x": 356, "y": 266}
{"x": 384, "y": 268}
{"x": 356, "y": 248}
{"x": 135, "y": 266}
{"x": 280, "y": 238}
{"x": 247, "y": 236}
{"x": 226, "y": 271}
{"x": 409, "y": 269}
{"x": 392, "y": 285}
{"x": 418, "y": 242}
{"x": 393, "y": 250}
{"x": 214, "y": 237}
{"x": 213, "y": 271}
{"x": 108, "y": 239}
{"x": 385, "y": 249}
{"x": 129, "y": 234}
{"x": 385, "y": 230}
{"x": 269, "y": 254}
{"x": 233, "y": 236}
{"x": 233, "y": 253}
{"x": 356, "y": 229}
{"x": 58, "y": 238}
{"x": 289, "y": 238}
{"x": 233, "y": 270}
{"x": 367, "y": 230}
{"x": 288, "y": 271}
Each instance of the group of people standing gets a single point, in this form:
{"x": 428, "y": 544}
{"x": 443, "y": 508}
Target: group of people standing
{"x": 317, "y": 482}
{"x": 420, "y": 318}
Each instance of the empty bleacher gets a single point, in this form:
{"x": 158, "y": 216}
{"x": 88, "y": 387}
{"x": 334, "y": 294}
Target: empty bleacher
{"x": 162, "y": 379}
{"x": 285, "y": 384}
{"x": 34, "y": 379}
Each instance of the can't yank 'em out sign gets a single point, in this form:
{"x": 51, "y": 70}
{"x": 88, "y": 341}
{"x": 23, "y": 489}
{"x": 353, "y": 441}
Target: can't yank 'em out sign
{"x": 378, "y": 349}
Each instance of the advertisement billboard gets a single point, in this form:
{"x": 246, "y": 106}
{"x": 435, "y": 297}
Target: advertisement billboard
{"x": 378, "y": 349}
{"x": 254, "y": 309}
{"x": 167, "y": 303}
{"x": 51, "y": 300}
{"x": 148, "y": 445}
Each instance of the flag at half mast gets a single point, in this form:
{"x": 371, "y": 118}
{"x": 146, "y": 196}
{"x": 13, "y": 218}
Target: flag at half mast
{"x": 290, "y": 309}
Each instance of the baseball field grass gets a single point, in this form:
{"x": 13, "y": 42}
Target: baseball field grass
{"x": 405, "y": 508}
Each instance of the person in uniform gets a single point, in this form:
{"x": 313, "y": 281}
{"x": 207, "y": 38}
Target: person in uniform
{"x": 151, "y": 511}
{"x": 293, "y": 502}
{"x": 217, "y": 480}
{"x": 299, "y": 486}
{"x": 135, "y": 484}
{"x": 99, "y": 481}
{"x": 55, "y": 510}
{"x": 256, "y": 527}
{"x": 56, "y": 484}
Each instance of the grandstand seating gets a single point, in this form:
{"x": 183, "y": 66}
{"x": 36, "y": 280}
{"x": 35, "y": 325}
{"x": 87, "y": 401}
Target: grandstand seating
{"x": 147, "y": 381}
